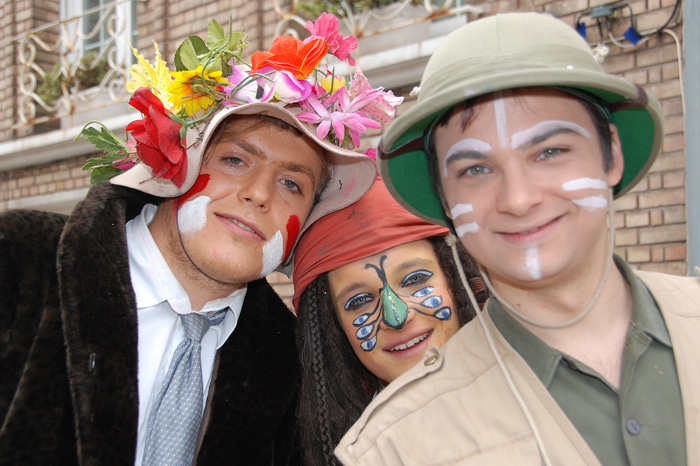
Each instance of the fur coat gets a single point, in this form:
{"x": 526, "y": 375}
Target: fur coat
{"x": 68, "y": 349}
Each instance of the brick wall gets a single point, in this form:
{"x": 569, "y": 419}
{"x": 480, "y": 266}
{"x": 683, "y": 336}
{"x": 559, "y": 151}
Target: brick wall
{"x": 650, "y": 220}
{"x": 45, "y": 179}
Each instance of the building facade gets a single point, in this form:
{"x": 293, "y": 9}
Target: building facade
{"x": 65, "y": 62}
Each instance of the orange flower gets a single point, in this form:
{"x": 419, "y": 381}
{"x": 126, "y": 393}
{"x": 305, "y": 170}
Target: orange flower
{"x": 291, "y": 54}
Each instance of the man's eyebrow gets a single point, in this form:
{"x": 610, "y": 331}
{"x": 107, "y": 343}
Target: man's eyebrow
{"x": 290, "y": 166}
{"x": 543, "y": 131}
{"x": 298, "y": 168}
{"x": 248, "y": 147}
{"x": 466, "y": 149}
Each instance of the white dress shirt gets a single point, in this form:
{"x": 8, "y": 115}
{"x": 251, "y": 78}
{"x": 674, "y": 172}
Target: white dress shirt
{"x": 160, "y": 299}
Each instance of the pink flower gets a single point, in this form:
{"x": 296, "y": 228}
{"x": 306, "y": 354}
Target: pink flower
{"x": 376, "y": 103}
{"x": 371, "y": 153}
{"x": 130, "y": 159}
{"x": 347, "y": 117}
{"x": 327, "y": 27}
{"x": 286, "y": 87}
{"x": 264, "y": 85}
{"x": 244, "y": 88}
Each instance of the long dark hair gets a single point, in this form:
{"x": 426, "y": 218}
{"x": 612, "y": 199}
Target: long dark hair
{"x": 336, "y": 387}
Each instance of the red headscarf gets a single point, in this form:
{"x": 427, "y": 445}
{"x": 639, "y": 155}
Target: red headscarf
{"x": 371, "y": 225}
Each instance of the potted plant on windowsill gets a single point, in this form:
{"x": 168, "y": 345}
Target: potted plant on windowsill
{"x": 312, "y": 9}
{"x": 88, "y": 74}
{"x": 84, "y": 90}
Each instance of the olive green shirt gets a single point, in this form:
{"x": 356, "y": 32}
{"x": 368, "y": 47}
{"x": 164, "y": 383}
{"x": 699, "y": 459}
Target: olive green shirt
{"x": 639, "y": 424}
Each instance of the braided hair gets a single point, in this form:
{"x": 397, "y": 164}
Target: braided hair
{"x": 336, "y": 387}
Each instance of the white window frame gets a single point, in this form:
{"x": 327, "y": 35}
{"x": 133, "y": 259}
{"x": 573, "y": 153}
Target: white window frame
{"x": 125, "y": 11}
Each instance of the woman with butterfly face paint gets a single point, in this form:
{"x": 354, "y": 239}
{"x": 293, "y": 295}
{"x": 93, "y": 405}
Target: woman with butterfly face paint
{"x": 374, "y": 288}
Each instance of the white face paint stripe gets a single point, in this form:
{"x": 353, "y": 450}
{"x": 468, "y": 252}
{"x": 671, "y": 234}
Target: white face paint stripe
{"x": 525, "y": 136}
{"x": 465, "y": 145}
{"x": 584, "y": 183}
{"x": 461, "y": 209}
{"x": 532, "y": 263}
{"x": 592, "y": 202}
{"x": 272, "y": 254}
{"x": 499, "y": 110}
{"x": 192, "y": 216}
{"x": 471, "y": 227}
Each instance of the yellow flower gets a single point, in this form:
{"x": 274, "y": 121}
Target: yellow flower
{"x": 332, "y": 82}
{"x": 157, "y": 78}
{"x": 182, "y": 93}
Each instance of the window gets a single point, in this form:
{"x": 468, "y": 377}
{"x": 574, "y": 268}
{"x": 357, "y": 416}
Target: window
{"x": 99, "y": 25}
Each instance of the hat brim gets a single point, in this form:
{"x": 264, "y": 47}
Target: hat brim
{"x": 352, "y": 173}
{"x": 407, "y": 177}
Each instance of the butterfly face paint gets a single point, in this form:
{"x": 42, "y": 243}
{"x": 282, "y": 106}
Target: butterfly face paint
{"x": 400, "y": 287}
{"x": 272, "y": 254}
{"x": 393, "y": 309}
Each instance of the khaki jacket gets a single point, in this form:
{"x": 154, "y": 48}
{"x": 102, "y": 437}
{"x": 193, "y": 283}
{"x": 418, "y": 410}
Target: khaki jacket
{"x": 456, "y": 407}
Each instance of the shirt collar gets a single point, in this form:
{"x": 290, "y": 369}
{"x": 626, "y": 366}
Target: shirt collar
{"x": 646, "y": 315}
{"x": 543, "y": 359}
{"x": 152, "y": 279}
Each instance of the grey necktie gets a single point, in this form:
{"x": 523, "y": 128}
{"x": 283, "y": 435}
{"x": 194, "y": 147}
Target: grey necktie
{"x": 173, "y": 424}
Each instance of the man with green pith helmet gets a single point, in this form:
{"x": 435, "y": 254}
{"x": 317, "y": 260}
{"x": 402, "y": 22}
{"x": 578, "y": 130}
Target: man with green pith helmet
{"x": 518, "y": 143}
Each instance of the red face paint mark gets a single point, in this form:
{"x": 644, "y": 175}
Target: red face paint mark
{"x": 197, "y": 187}
{"x": 293, "y": 227}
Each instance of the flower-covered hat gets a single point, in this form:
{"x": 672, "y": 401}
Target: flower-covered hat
{"x": 291, "y": 82}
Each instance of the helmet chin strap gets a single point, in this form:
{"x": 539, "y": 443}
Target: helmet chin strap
{"x": 591, "y": 302}
{"x": 452, "y": 241}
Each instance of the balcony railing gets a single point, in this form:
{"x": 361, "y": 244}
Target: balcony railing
{"x": 371, "y": 22}
{"x": 55, "y": 57}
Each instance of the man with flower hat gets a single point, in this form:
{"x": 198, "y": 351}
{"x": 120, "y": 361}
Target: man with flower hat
{"x": 141, "y": 330}
{"x": 518, "y": 143}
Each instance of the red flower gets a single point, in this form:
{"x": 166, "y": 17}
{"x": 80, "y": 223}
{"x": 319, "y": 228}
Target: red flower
{"x": 291, "y": 54}
{"x": 157, "y": 138}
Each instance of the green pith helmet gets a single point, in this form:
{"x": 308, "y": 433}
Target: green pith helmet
{"x": 509, "y": 51}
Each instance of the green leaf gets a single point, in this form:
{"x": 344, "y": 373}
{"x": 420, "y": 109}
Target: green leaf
{"x": 215, "y": 34}
{"x": 103, "y": 139}
{"x": 186, "y": 57}
{"x": 103, "y": 173}
{"x": 236, "y": 39}
{"x": 190, "y": 53}
{"x": 104, "y": 161}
